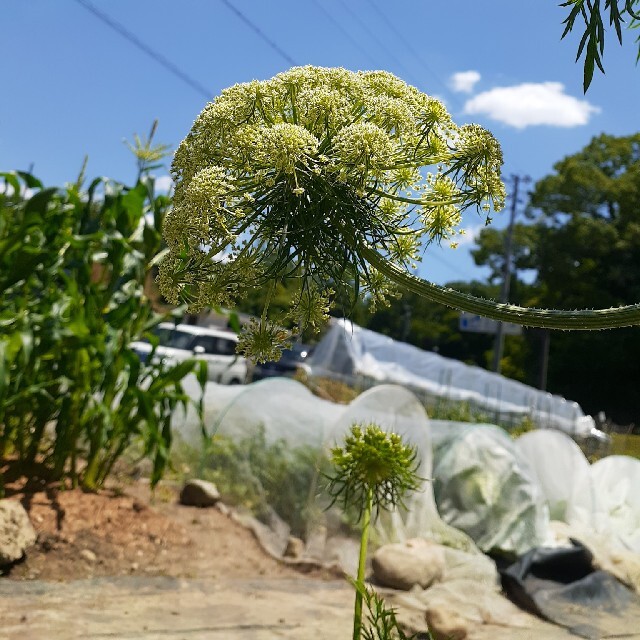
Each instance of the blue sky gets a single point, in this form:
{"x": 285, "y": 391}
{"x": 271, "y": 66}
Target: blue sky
{"x": 73, "y": 86}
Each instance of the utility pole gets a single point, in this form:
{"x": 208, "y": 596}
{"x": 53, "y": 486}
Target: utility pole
{"x": 498, "y": 345}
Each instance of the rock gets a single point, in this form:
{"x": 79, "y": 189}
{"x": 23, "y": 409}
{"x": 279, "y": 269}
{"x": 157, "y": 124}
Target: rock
{"x": 199, "y": 493}
{"x": 294, "y": 548}
{"x": 88, "y": 555}
{"x": 446, "y": 624}
{"x": 223, "y": 508}
{"x": 465, "y": 609}
{"x": 16, "y": 532}
{"x": 403, "y": 565}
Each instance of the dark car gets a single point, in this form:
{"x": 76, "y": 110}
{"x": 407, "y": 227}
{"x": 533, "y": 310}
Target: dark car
{"x": 286, "y": 366}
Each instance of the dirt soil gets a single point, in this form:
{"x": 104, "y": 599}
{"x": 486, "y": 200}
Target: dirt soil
{"x": 130, "y": 531}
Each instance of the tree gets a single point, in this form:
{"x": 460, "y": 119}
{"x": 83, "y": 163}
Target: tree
{"x": 585, "y": 248}
{"x": 592, "y": 40}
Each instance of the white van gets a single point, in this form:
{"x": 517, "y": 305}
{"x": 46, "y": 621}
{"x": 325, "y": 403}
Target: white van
{"x": 216, "y": 347}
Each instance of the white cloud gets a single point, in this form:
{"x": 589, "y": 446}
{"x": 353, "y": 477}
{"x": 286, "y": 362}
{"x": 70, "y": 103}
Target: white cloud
{"x": 163, "y": 183}
{"x": 530, "y": 104}
{"x": 25, "y": 192}
{"x": 470, "y": 235}
{"x": 464, "y": 81}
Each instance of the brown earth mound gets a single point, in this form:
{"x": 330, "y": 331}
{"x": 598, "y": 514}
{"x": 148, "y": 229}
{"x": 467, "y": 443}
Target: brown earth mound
{"x": 133, "y": 532}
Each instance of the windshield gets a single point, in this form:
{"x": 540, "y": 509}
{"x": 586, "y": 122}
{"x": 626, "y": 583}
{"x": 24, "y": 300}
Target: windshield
{"x": 174, "y": 338}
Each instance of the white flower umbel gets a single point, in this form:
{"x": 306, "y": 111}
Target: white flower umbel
{"x": 337, "y": 180}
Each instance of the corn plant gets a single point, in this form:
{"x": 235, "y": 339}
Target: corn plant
{"x": 75, "y": 269}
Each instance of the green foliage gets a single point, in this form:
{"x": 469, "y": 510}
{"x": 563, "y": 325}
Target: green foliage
{"x": 372, "y": 461}
{"x": 258, "y": 475}
{"x": 381, "y": 622}
{"x": 74, "y": 274}
{"x": 584, "y": 245}
{"x": 625, "y": 444}
{"x": 590, "y": 13}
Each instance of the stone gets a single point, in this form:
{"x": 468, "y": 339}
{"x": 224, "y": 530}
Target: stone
{"x": 294, "y": 548}
{"x": 466, "y": 610}
{"x": 404, "y": 565}
{"x": 16, "y": 532}
{"x": 199, "y": 493}
{"x": 223, "y": 508}
{"x": 446, "y": 624}
{"x": 88, "y": 555}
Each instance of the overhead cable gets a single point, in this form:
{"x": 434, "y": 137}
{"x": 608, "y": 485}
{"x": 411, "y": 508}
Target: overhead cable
{"x": 152, "y": 53}
{"x": 258, "y": 31}
{"x": 373, "y": 36}
{"x": 338, "y": 25}
{"x": 402, "y": 37}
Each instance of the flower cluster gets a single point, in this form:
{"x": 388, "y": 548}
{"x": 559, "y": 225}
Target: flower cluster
{"x": 293, "y": 177}
{"x": 375, "y": 461}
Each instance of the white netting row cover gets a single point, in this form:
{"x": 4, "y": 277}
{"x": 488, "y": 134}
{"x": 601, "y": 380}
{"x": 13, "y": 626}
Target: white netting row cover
{"x": 350, "y": 353}
{"x": 480, "y": 484}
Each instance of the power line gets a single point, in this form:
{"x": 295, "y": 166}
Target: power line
{"x": 259, "y": 32}
{"x": 446, "y": 263}
{"x": 155, "y": 55}
{"x": 373, "y": 36}
{"x": 506, "y": 269}
{"x": 406, "y": 42}
{"x": 336, "y": 23}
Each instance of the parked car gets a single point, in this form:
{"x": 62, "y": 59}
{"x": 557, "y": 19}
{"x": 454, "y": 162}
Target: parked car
{"x": 215, "y": 346}
{"x": 288, "y": 364}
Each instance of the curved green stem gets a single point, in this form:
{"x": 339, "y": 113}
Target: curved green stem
{"x": 584, "y": 320}
{"x": 391, "y": 196}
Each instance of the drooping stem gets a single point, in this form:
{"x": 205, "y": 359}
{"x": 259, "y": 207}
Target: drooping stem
{"x": 582, "y": 320}
{"x": 362, "y": 560}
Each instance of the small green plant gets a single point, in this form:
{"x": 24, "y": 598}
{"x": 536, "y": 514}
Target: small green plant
{"x": 374, "y": 470}
{"x": 257, "y": 474}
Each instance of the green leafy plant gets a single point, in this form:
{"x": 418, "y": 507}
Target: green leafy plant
{"x": 382, "y": 623}
{"x": 258, "y": 475}
{"x": 374, "y": 470}
{"x": 336, "y": 182}
{"x": 590, "y": 13}
{"x": 75, "y": 275}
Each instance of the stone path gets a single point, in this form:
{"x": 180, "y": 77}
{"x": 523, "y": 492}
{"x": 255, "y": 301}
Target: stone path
{"x": 130, "y": 608}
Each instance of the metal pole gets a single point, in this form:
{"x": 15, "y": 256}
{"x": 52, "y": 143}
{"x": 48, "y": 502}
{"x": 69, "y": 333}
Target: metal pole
{"x": 498, "y": 345}
{"x": 544, "y": 359}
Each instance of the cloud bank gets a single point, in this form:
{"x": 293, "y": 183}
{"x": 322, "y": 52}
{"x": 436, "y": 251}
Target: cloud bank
{"x": 163, "y": 183}
{"x": 531, "y": 104}
{"x": 464, "y": 81}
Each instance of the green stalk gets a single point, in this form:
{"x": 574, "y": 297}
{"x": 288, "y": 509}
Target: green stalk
{"x": 364, "y": 543}
{"x": 582, "y": 320}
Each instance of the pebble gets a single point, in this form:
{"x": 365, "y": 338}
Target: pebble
{"x": 88, "y": 555}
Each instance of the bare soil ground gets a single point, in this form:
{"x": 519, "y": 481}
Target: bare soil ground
{"x": 127, "y": 530}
